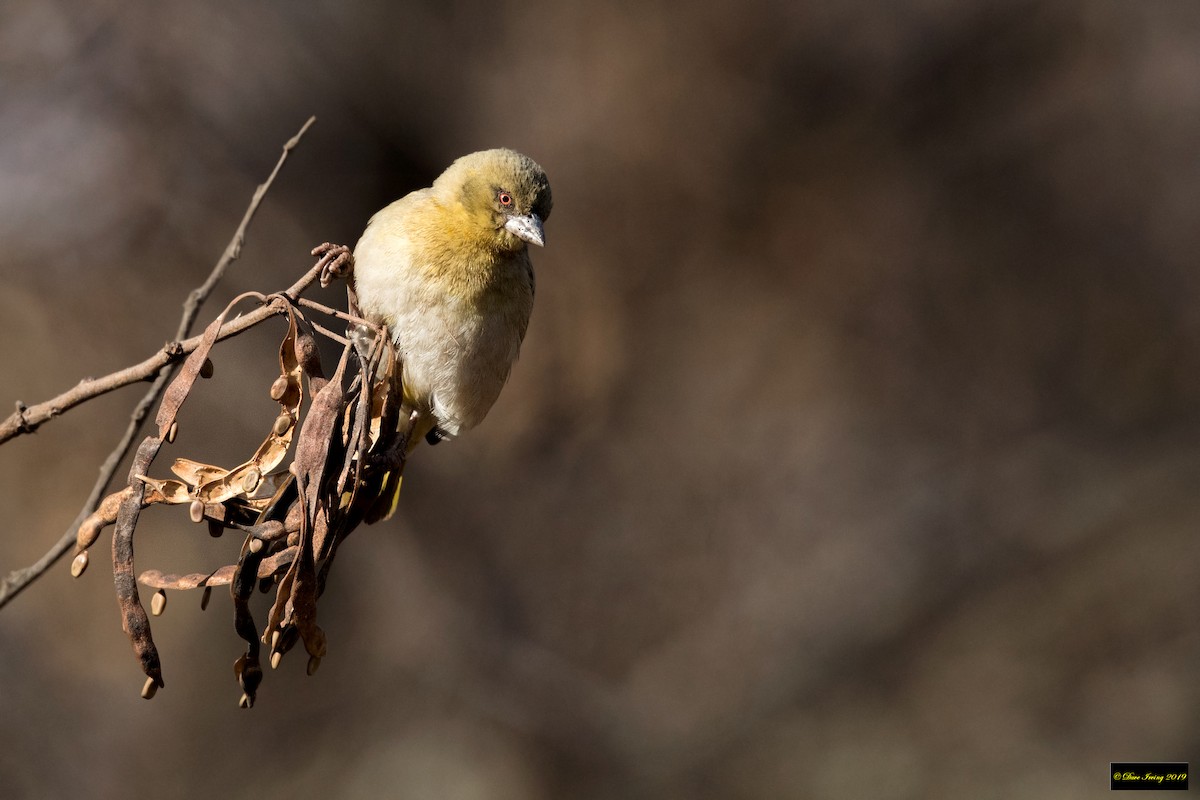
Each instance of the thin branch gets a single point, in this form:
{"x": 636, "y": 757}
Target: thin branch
{"x": 234, "y": 249}
{"x": 25, "y": 420}
{"x": 333, "y": 312}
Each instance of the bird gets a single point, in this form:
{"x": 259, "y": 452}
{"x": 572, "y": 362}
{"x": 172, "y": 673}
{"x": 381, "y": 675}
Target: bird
{"x": 447, "y": 270}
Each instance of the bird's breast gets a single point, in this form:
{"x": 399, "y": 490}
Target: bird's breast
{"x": 457, "y": 311}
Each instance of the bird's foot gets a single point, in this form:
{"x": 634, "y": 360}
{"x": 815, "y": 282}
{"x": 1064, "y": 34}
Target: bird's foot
{"x": 392, "y": 458}
{"x": 336, "y": 261}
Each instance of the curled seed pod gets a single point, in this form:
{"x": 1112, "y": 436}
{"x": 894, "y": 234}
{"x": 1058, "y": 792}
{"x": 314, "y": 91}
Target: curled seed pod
{"x": 79, "y": 564}
{"x": 206, "y": 369}
{"x": 204, "y": 598}
{"x": 282, "y": 424}
{"x": 196, "y": 511}
{"x": 279, "y": 388}
{"x": 158, "y": 603}
{"x": 149, "y": 688}
{"x": 314, "y": 663}
{"x": 172, "y": 432}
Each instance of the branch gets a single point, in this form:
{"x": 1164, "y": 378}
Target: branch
{"x": 27, "y": 419}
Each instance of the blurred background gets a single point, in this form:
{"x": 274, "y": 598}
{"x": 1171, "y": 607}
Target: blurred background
{"x": 853, "y": 450}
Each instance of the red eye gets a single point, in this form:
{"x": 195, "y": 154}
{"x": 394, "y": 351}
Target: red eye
{"x": 505, "y": 198}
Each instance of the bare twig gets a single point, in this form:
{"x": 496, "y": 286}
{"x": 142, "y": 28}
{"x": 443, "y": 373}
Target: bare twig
{"x": 27, "y": 419}
{"x": 333, "y": 312}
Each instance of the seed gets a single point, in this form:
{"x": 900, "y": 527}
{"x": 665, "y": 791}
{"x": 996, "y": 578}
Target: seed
{"x": 172, "y": 432}
{"x": 279, "y": 388}
{"x": 283, "y": 423}
{"x": 256, "y": 545}
{"x": 79, "y": 564}
{"x": 158, "y": 603}
{"x": 149, "y": 688}
{"x": 251, "y": 480}
{"x": 196, "y": 511}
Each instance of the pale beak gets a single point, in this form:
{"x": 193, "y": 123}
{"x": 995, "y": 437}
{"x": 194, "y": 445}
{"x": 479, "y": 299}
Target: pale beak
{"x": 528, "y": 227}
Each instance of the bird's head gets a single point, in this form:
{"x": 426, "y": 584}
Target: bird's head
{"x": 506, "y": 196}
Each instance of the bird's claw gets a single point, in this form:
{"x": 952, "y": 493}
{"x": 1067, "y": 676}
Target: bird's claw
{"x": 336, "y": 261}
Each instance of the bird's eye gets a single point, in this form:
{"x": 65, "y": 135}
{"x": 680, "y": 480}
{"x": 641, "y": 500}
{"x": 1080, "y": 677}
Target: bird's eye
{"x": 505, "y": 198}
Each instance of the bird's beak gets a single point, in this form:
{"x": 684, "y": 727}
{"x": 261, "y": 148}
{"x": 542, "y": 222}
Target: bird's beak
{"x": 528, "y": 227}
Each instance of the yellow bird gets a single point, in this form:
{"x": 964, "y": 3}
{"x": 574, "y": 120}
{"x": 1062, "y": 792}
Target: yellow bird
{"x": 447, "y": 269}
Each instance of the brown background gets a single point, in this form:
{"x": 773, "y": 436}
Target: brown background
{"x": 852, "y": 453}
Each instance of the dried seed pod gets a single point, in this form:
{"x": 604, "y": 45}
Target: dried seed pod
{"x": 314, "y": 663}
{"x": 79, "y": 564}
{"x": 196, "y": 511}
{"x": 206, "y": 369}
{"x": 149, "y": 688}
{"x": 158, "y": 603}
{"x": 204, "y": 598}
{"x": 279, "y": 388}
{"x": 172, "y": 432}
